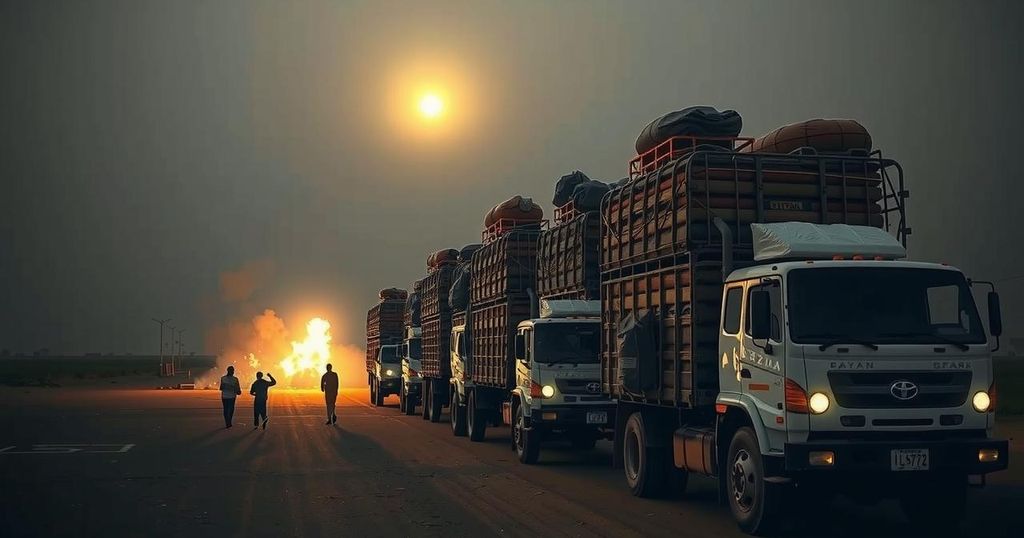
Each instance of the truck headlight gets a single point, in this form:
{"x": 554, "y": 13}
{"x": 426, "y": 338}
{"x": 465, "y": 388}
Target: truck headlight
{"x": 981, "y": 401}
{"x": 389, "y": 372}
{"x": 818, "y": 403}
{"x": 547, "y": 391}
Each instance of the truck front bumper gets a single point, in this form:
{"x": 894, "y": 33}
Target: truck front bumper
{"x": 572, "y": 415}
{"x": 391, "y": 384}
{"x": 947, "y": 455}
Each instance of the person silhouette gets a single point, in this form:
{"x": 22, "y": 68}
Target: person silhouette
{"x": 329, "y": 386}
{"x": 230, "y": 388}
{"x": 260, "y": 390}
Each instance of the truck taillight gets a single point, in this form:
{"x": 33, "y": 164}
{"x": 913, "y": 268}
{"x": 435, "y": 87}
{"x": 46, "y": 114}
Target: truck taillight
{"x": 796, "y": 397}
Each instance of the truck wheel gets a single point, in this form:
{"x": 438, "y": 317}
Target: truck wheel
{"x": 425, "y": 396}
{"x": 754, "y": 502}
{"x": 373, "y": 392}
{"x": 436, "y": 403}
{"x": 644, "y": 466}
{"x": 937, "y": 505}
{"x": 476, "y": 421}
{"x": 525, "y": 442}
{"x": 378, "y": 396}
{"x": 583, "y": 439}
{"x": 457, "y": 415}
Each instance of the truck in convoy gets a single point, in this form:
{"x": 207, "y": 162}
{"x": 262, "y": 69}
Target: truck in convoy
{"x": 528, "y": 362}
{"x": 436, "y": 328}
{"x": 384, "y": 333}
{"x": 411, "y": 352}
{"x": 761, "y": 327}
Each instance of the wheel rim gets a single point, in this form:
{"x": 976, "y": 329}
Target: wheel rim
{"x": 743, "y": 479}
{"x": 631, "y": 457}
{"x": 517, "y": 432}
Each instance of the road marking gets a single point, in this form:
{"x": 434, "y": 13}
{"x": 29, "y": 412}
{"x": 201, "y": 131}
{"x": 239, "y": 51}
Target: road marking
{"x": 62, "y": 448}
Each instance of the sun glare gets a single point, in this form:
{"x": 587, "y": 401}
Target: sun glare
{"x": 431, "y": 106}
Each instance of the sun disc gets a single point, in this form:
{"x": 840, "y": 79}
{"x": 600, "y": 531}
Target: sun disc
{"x": 431, "y": 106}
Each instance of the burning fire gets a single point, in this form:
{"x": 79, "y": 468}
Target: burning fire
{"x": 311, "y": 355}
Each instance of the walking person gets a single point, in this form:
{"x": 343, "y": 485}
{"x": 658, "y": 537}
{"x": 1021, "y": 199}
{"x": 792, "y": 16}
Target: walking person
{"x": 329, "y": 386}
{"x": 230, "y": 388}
{"x": 259, "y": 390}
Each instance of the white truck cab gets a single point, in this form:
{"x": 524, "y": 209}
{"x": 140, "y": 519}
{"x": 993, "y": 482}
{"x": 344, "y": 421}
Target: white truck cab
{"x": 387, "y": 374}
{"x": 558, "y": 379}
{"x": 854, "y": 373}
{"x": 462, "y": 380}
{"x": 409, "y": 393}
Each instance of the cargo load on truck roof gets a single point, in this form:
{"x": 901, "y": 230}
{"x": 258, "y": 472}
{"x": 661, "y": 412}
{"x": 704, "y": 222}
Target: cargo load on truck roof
{"x": 516, "y": 212}
{"x": 466, "y": 253}
{"x": 445, "y": 256}
{"x": 568, "y": 259}
{"x": 458, "y": 296}
{"x": 393, "y": 294}
{"x": 806, "y": 241}
{"x": 687, "y": 207}
{"x": 384, "y": 326}
{"x": 821, "y": 135}
{"x": 670, "y": 209}
{"x": 701, "y": 122}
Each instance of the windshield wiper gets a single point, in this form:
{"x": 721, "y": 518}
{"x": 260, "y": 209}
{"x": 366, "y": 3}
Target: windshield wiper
{"x": 837, "y": 339}
{"x": 959, "y": 345}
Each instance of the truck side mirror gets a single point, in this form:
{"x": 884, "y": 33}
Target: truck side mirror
{"x": 760, "y": 315}
{"x": 521, "y": 347}
{"x": 995, "y": 317}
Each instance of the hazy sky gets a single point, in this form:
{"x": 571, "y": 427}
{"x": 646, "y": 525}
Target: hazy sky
{"x": 150, "y": 149}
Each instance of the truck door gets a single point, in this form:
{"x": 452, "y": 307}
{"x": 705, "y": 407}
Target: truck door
{"x": 524, "y": 360}
{"x": 729, "y": 341}
{"x": 763, "y": 365}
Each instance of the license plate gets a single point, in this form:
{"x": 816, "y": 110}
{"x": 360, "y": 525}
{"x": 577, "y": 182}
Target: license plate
{"x": 597, "y": 417}
{"x": 910, "y": 459}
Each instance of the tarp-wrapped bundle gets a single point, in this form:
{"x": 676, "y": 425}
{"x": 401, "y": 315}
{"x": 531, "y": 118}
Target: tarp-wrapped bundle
{"x": 466, "y": 254}
{"x": 445, "y": 256}
{"x": 803, "y": 240}
{"x": 566, "y": 186}
{"x": 393, "y": 294}
{"x": 694, "y": 121}
{"x": 824, "y": 136}
{"x": 587, "y": 196}
{"x": 519, "y": 209}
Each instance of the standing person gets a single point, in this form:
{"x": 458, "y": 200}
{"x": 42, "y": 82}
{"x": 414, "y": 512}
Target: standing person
{"x": 329, "y": 386}
{"x": 259, "y": 390}
{"x": 230, "y": 388}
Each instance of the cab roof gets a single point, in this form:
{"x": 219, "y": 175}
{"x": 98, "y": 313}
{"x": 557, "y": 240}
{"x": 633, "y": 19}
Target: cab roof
{"x": 781, "y": 268}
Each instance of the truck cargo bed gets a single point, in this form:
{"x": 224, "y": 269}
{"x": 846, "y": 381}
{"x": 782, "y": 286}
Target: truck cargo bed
{"x": 568, "y": 259}
{"x": 494, "y": 329}
{"x": 384, "y": 325}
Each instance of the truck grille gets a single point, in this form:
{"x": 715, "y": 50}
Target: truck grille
{"x": 578, "y": 386}
{"x": 872, "y": 390}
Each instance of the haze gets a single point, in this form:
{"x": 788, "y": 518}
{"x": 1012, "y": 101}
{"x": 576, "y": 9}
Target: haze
{"x": 205, "y": 161}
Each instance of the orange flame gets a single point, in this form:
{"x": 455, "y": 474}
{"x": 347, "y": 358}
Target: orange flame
{"x": 310, "y": 356}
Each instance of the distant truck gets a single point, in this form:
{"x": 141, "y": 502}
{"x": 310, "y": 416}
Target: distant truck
{"x": 436, "y": 327}
{"x": 796, "y": 358}
{"x": 533, "y": 365}
{"x": 384, "y": 331}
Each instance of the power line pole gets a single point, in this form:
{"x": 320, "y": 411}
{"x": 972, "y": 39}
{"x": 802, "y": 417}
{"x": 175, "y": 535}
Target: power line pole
{"x": 180, "y": 346}
{"x": 161, "y": 323}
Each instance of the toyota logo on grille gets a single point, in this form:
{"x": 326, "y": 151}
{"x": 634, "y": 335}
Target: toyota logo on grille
{"x": 903, "y": 390}
{"x": 593, "y": 387}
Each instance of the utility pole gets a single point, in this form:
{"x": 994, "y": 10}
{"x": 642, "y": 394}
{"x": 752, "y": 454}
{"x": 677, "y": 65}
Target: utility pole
{"x": 174, "y": 345}
{"x": 161, "y": 323}
{"x": 180, "y": 345}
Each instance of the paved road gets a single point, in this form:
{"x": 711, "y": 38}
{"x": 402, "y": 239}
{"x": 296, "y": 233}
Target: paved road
{"x": 159, "y": 463}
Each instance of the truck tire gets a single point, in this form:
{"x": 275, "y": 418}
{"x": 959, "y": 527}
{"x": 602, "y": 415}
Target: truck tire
{"x": 457, "y": 416}
{"x": 373, "y": 392}
{"x": 937, "y": 504}
{"x": 476, "y": 420}
{"x": 378, "y": 396}
{"x": 425, "y": 396}
{"x": 410, "y": 404}
{"x": 754, "y": 503}
{"x": 526, "y": 442}
{"x": 436, "y": 404}
{"x": 644, "y": 466}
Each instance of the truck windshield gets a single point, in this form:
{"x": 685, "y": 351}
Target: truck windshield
{"x": 414, "y": 348}
{"x": 389, "y": 354}
{"x": 876, "y": 305}
{"x": 558, "y": 343}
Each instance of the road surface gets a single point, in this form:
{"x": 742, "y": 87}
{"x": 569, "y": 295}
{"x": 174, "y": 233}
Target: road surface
{"x": 92, "y": 462}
